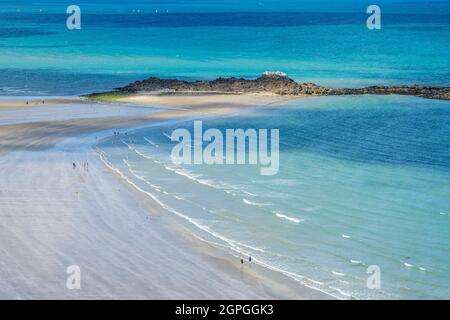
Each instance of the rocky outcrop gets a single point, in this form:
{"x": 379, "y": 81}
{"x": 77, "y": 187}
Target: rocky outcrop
{"x": 276, "y": 83}
{"x": 441, "y": 93}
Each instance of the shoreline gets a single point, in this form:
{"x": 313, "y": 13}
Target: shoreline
{"x": 257, "y": 282}
{"x": 277, "y": 284}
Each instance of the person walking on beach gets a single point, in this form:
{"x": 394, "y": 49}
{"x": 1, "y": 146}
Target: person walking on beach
{"x": 242, "y": 261}
{"x": 74, "y": 165}
{"x": 250, "y": 259}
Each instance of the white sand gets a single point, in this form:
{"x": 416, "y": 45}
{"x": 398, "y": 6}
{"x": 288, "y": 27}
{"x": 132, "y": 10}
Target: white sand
{"x": 53, "y": 216}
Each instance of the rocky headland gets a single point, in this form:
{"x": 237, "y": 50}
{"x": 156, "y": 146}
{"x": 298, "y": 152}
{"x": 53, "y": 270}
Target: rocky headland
{"x": 271, "y": 83}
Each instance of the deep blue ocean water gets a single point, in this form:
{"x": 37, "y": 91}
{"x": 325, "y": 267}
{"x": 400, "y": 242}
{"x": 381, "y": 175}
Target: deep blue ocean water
{"x": 363, "y": 180}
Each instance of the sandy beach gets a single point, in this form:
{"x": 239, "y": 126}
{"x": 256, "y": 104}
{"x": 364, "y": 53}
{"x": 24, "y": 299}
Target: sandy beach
{"x": 126, "y": 245}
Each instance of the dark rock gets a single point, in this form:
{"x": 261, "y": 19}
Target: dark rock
{"x": 277, "y": 83}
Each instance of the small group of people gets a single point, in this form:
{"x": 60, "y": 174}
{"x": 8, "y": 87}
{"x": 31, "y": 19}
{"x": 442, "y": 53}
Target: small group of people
{"x": 249, "y": 260}
{"x": 117, "y": 133}
{"x": 85, "y": 165}
{"x": 27, "y": 102}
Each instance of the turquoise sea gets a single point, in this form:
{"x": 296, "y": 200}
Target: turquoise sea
{"x": 363, "y": 180}
{"x": 322, "y": 41}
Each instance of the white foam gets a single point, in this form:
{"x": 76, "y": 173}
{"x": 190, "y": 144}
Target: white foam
{"x": 155, "y": 187}
{"x": 256, "y": 204}
{"x": 129, "y": 181}
{"x": 195, "y": 177}
{"x": 230, "y": 192}
{"x": 341, "y": 292}
{"x": 249, "y": 193}
{"x": 355, "y": 261}
{"x": 151, "y": 142}
{"x": 408, "y": 265}
{"x": 129, "y": 147}
{"x": 340, "y": 274}
{"x": 188, "y": 174}
{"x": 129, "y": 165}
{"x": 283, "y": 216}
{"x": 226, "y": 187}
{"x": 136, "y": 150}
{"x": 346, "y": 236}
{"x": 142, "y": 154}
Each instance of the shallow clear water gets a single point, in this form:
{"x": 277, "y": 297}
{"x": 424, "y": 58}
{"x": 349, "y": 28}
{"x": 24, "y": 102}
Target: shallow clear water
{"x": 363, "y": 181}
